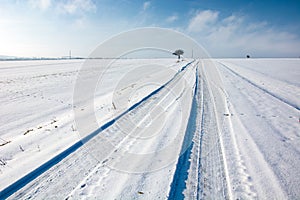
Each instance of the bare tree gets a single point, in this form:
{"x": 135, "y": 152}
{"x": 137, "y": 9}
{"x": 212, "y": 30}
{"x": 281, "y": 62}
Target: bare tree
{"x": 178, "y": 53}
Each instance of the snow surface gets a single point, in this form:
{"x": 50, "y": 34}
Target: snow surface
{"x": 203, "y": 129}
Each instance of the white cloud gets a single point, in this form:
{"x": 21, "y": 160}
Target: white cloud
{"x": 202, "y": 20}
{"x": 40, "y": 4}
{"x": 146, "y": 5}
{"x": 234, "y": 32}
{"x": 77, "y": 6}
{"x": 65, "y": 6}
{"x": 235, "y": 36}
{"x": 172, "y": 18}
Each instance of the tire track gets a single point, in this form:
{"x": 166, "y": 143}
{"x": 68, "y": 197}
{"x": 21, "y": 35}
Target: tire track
{"x": 239, "y": 182}
{"x": 200, "y": 169}
{"x": 102, "y": 170}
{"x": 178, "y": 184}
{"x": 252, "y": 152}
{"x": 286, "y": 101}
{"x": 97, "y": 177}
{"x": 214, "y": 179}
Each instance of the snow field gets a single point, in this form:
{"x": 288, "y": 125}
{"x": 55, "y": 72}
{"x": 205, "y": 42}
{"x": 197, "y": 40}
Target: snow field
{"x": 213, "y": 129}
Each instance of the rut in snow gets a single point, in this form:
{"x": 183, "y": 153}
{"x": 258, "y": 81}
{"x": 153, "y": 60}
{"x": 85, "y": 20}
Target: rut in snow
{"x": 282, "y": 99}
{"x": 200, "y": 169}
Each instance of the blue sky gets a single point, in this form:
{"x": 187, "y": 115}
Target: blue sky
{"x": 231, "y": 28}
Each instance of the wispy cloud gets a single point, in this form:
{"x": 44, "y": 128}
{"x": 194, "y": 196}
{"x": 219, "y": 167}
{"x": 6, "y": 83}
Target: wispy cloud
{"x": 172, "y": 18}
{"x": 202, "y": 20}
{"x": 77, "y": 6}
{"x": 75, "y": 11}
{"x": 40, "y": 4}
{"x": 71, "y": 7}
{"x": 234, "y": 35}
{"x": 146, "y": 5}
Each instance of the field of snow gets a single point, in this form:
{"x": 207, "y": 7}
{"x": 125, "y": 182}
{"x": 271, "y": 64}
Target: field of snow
{"x": 158, "y": 129}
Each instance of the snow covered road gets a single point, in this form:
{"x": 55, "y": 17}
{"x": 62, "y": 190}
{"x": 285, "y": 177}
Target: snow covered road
{"x": 208, "y": 129}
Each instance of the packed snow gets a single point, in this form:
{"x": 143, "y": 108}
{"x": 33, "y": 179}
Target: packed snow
{"x": 194, "y": 129}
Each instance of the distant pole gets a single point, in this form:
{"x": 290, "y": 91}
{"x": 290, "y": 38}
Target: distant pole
{"x": 70, "y": 54}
